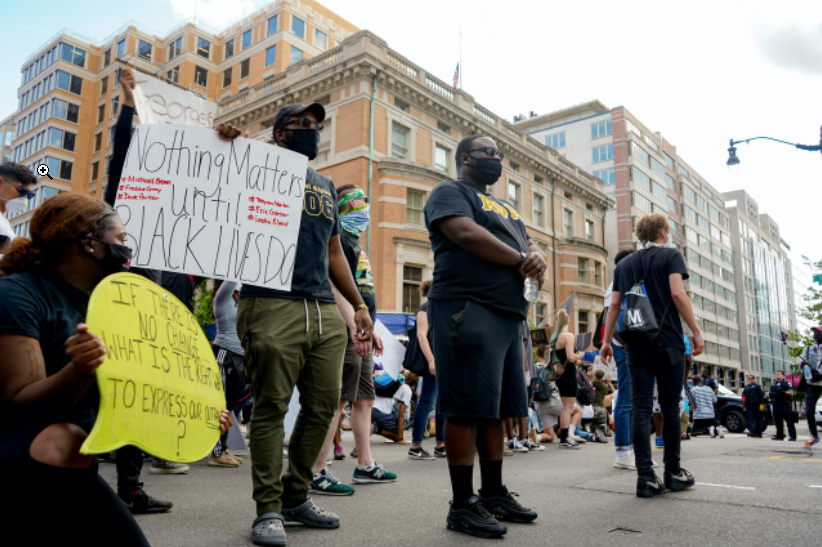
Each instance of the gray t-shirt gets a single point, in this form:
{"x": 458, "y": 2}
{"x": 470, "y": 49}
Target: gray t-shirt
{"x": 225, "y": 314}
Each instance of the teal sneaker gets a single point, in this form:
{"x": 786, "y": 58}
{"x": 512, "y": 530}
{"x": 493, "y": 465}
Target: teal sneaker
{"x": 377, "y": 474}
{"x": 328, "y": 485}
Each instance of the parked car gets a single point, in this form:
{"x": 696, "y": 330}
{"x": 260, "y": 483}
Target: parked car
{"x": 732, "y": 414}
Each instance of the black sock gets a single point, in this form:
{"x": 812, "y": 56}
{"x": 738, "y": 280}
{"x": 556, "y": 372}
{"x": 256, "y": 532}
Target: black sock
{"x": 563, "y": 434}
{"x": 492, "y": 478}
{"x": 462, "y": 482}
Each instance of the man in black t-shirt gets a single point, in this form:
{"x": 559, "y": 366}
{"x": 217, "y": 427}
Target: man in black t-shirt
{"x": 358, "y": 371}
{"x": 780, "y": 396}
{"x": 662, "y": 271}
{"x": 482, "y": 253}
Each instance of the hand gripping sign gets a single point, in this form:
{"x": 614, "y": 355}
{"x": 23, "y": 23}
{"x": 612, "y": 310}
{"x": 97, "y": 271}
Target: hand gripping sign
{"x": 160, "y": 386}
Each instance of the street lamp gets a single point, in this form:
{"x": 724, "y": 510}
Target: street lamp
{"x": 733, "y": 160}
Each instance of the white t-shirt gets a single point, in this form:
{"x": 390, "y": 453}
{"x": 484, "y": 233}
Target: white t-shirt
{"x": 402, "y": 395}
{"x": 609, "y": 295}
{"x": 5, "y": 229}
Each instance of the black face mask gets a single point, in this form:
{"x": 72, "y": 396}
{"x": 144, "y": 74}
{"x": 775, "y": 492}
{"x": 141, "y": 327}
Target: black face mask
{"x": 117, "y": 258}
{"x": 818, "y": 337}
{"x": 488, "y": 170}
{"x": 303, "y": 141}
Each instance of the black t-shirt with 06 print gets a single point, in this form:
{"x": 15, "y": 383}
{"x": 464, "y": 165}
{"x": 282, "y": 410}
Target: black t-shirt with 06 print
{"x": 459, "y": 274}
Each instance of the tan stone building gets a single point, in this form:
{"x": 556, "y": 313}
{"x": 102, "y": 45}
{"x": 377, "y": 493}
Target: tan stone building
{"x": 387, "y": 113}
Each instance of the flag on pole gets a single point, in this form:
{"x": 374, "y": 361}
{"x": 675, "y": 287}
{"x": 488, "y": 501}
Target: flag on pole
{"x": 570, "y": 303}
{"x": 457, "y": 76}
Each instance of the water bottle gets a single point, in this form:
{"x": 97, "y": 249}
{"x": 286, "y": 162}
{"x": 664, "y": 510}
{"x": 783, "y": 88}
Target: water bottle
{"x": 531, "y": 291}
{"x": 808, "y": 373}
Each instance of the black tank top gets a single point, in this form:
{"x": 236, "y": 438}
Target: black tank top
{"x": 562, "y": 355}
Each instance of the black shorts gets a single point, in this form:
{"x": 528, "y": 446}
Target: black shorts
{"x": 479, "y": 359}
{"x": 567, "y": 383}
{"x": 232, "y": 369}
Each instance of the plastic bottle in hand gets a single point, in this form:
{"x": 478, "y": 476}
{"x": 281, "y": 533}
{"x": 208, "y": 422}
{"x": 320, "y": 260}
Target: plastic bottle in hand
{"x": 531, "y": 290}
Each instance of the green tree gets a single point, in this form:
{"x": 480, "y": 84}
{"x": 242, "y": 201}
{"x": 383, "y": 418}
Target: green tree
{"x": 812, "y": 311}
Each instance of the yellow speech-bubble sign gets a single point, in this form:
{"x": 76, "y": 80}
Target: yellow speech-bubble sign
{"x": 160, "y": 386}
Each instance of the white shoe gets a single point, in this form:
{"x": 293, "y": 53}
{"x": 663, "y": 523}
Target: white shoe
{"x": 580, "y": 440}
{"x": 720, "y": 433}
{"x": 628, "y": 462}
{"x": 531, "y": 446}
{"x": 517, "y": 446}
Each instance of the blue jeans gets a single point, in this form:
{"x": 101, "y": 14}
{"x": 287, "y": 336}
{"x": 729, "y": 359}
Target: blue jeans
{"x": 624, "y": 403}
{"x": 579, "y": 432}
{"x": 424, "y": 406}
{"x": 385, "y": 422}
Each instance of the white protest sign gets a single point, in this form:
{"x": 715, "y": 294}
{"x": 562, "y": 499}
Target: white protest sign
{"x": 194, "y": 204}
{"x": 159, "y": 102}
{"x": 392, "y": 357}
{"x": 609, "y": 368}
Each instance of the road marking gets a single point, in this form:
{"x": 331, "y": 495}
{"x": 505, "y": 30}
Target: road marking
{"x": 726, "y": 486}
{"x": 790, "y": 458}
{"x": 815, "y": 486}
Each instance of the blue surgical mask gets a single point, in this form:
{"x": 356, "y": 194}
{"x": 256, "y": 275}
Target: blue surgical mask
{"x": 356, "y": 221}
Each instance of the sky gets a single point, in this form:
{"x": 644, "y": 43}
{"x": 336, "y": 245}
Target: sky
{"x": 699, "y": 72}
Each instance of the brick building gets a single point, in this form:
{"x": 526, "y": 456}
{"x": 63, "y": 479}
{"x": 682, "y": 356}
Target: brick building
{"x": 409, "y": 141}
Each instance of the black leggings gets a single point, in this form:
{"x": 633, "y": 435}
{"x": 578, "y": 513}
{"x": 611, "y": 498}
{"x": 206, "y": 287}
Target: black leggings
{"x": 42, "y": 504}
{"x": 811, "y": 397}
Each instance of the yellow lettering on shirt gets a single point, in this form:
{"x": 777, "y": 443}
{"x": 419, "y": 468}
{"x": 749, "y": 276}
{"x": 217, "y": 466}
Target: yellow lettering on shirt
{"x": 514, "y": 214}
{"x": 489, "y": 205}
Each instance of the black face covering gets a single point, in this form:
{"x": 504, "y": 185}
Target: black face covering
{"x": 117, "y": 258}
{"x": 488, "y": 170}
{"x": 303, "y": 141}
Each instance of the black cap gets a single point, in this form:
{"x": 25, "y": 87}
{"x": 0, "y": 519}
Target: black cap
{"x": 297, "y": 109}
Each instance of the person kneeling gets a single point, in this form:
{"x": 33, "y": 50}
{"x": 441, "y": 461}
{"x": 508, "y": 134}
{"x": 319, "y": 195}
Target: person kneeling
{"x": 388, "y": 418}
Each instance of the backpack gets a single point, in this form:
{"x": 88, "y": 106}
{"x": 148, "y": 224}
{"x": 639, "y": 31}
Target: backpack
{"x": 553, "y": 369}
{"x": 599, "y": 332}
{"x": 585, "y": 393}
{"x": 385, "y": 385}
{"x": 637, "y": 324}
{"x": 414, "y": 360}
{"x": 540, "y": 386}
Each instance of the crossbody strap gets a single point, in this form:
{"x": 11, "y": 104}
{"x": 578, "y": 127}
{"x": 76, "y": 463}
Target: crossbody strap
{"x": 644, "y": 271}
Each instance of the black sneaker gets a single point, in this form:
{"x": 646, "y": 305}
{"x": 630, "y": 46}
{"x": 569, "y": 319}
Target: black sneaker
{"x": 471, "y": 518}
{"x": 440, "y": 452}
{"x": 140, "y": 503}
{"x": 776, "y": 438}
{"x": 569, "y": 443}
{"x": 505, "y": 507}
{"x": 648, "y": 488}
{"x": 678, "y": 483}
{"x": 419, "y": 454}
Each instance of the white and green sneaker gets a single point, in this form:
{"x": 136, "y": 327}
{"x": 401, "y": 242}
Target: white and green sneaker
{"x": 375, "y": 473}
{"x": 327, "y": 484}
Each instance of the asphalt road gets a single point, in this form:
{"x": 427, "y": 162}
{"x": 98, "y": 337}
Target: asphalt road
{"x": 749, "y": 492}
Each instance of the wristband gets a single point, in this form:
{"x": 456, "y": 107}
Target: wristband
{"x": 361, "y": 307}
{"x": 522, "y": 260}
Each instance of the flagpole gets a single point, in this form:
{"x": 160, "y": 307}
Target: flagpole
{"x": 460, "y": 71}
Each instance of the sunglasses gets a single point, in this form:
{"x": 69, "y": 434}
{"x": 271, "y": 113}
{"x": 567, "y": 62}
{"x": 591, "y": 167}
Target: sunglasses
{"x": 29, "y": 195}
{"x": 306, "y": 123}
{"x": 490, "y": 150}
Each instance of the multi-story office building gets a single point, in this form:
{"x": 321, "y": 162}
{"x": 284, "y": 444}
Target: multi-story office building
{"x": 764, "y": 281}
{"x": 643, "y": 173}
{"x": 802, "y": 275}
{"x": 416, "y": 121}
{"x": 70, "y": 92}
{"x": 6, "y": 138}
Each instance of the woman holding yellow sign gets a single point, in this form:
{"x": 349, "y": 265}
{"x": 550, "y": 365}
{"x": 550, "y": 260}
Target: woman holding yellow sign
{"x": 47, "y": 376}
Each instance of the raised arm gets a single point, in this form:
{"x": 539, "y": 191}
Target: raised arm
{"x": 122, "y": 135}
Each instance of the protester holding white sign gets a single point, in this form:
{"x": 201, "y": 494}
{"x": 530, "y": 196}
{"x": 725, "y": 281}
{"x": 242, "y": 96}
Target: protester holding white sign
{"x": 291, "y": 330}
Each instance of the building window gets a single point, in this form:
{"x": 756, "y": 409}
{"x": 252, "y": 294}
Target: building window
{"x": 514, "y": 167}
{"x": 639, "y": 154}
{"x": 539, "y": 210}
{"x": 62, "y": 139}
{"x": 95, "y": 167}
{"x": 400, "y": 105}
{"x": 513, "y": 195}
{"x": 248, "y": 37}
{"x": 399, "y": 135}
{"x": 273, "y": 25}
{"x": 608, "y": 176}
{"x": 229, "y": 49}
{"x": 602, "y": 129}
{"x": 176, "y": 47}
{"x": 296, "y": 55}
{"x": 203, "y": 48}
{"x": 173, "y": 75}
{"x": 298, "y": 27}
{"x": 121, "y": 48}
{"x": 568, "y": 223}
{"x": 411, "y": 281}
{"x": 598, "y": 275}
{"x": 590, "y": 235}
{"x": 270, "y": 56}
{"x": 98, "y": 141}
{"x": 443, "y": 128}
{"x": 320, "y": 40}
{"x": 414, "y": 200}
{"x": 641, "y": 202}
{"x": 63, "y": 169}
{"x": 66, "y": 111}
{"x": 115, "y": 105}
{"x": 441, "y": 158}
{"x": 69, "y": 82}
{"x": 540, "y": 313}
{"x": 73, "y": 55}
{"x": 603, "y": 153}
{"x": 104, "y": 86}
{"x": 227, "y": 77}
{"x": 200, "y": 76}
{"x": 144, "y": 50}
{"x": 582, "y": 321}
{"x": 107, "y": 57}
{"x": 245, "y": 66}
{"x": 556, "y": 140}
